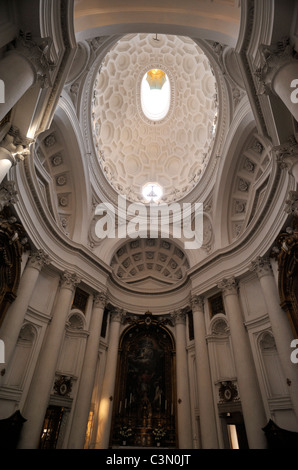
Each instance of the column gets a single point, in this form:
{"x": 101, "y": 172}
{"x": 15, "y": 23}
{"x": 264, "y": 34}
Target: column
{"x": 83, "y": 401}
{"x": 22, "y": 66}
{"x": 251, "y": 400}
{"x": 280, "y": 325}
{"x": 41, "y": 385}
{"x": 183, "y": 396}
{"x": 29, "y": 61}
{"x": 15, "y": 315}
{"x": 6, "y": 162}
{"x": 206, "y": 404}
{"x": 278, "y": 73}
{"x": 108, "y": 387}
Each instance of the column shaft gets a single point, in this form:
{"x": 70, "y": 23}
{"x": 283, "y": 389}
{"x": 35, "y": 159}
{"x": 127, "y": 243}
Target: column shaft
{"x": 281, "y": 327}
{"x": 183, "y": 404}
{"x": 41, "y": 385}
{"x": 251, "y": 400}
{"x": 81, "y": 413}
{"x": 15, "y": 315}
{"x": 13, "y": 66}
{"x": 107, "y": 394}
{"x": 206, "y": 404}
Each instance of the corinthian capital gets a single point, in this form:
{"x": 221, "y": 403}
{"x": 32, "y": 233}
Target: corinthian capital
{"x": 38, "y": 259}
{"x": 8, "y": 194}
{"x": 287, "y": 154}
{"x": 273, "y": 57}
{"x": 69, "y": 280}
{"x": 292, "y": 203}
{"x": 117, "y": 315}
{"x": 197, "y": 303}
{"x": 228, "y": 286}
{"x": 179, "y": 317}
{"x": 100, "y": 300}
{"x": 261, "y": 266}
{"x": 38, "y": 54}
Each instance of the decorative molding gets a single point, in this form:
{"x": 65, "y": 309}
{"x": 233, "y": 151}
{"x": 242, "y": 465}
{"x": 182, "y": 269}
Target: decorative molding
{"x": 38, "y": 55}
{"x": 292, "y": 204}
{"x": 197, "y": 303}
{"x": 228, "y": 392}
{"x": 8, "y": 194}
{"x": 261, "y": 266}
{"x": 100, "y": 300}
{"x": 117, "y": 315}
{"x": 179, "y": 317}
{"x": 287, "y": 154}
{"x": 229, "y": 286}
{"x": 69, "y": 280}
{"x": 38, "y": 259}
{"x": 219, "y": 327}
{"x": 273, "y": 57}
{"x": 63, "y": 385}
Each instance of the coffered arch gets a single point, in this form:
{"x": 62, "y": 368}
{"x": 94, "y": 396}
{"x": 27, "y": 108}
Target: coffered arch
{"x": 62, "y": 174}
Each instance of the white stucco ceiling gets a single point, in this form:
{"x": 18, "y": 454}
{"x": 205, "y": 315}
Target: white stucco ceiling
{"x": 133, "y": 150}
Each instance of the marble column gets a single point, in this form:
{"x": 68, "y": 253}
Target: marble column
{"x": 15, "y": 315}
{"x": 280, "y": 325}
{"x": 23, "y": 65}
{"x": 83, "y": 401}
{"x": 39, "y": 392}
{"x": 108, "y": 387}
{"x": 251, "y": 399}
{"x": 183, "y": 393}
{"x": 206, "y": 403}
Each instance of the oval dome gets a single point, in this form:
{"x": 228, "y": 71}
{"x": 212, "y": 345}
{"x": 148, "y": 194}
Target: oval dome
{"x": 154, "y": 113}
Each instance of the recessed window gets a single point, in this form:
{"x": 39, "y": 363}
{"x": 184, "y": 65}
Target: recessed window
{"x": 155, "y": 94}
{"x": 152, "y": 192}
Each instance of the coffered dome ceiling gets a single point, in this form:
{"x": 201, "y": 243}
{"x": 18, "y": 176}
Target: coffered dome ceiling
{"x": 134, "y": 150}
